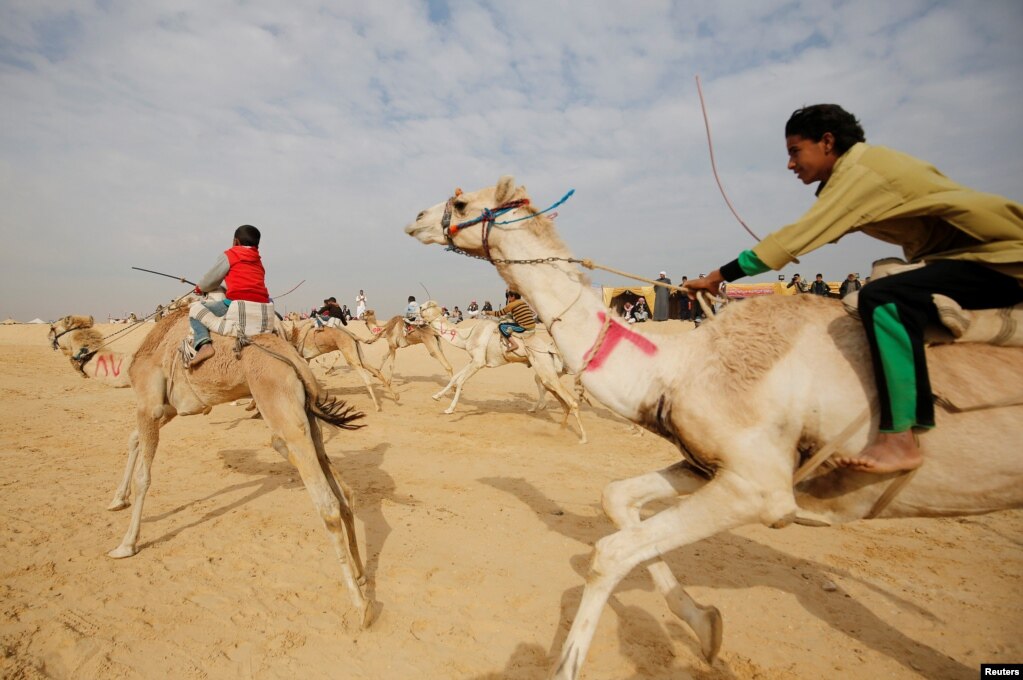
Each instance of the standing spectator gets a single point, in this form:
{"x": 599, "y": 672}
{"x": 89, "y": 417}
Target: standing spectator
{"x": 850, "y": 285}
{"x": 661, "y": 298}
{"x": 797, "y": 281}
{"x": 820, "y": 287}
{"x": 360, "y": 304}
{"x": 685, "y": 304}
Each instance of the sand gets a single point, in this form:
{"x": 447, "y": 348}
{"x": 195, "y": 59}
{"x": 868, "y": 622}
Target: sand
{"x": 477, "y": 529}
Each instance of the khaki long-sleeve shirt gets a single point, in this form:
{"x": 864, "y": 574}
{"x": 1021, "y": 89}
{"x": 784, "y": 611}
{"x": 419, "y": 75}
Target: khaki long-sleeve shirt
{"x": 901, "y": 200}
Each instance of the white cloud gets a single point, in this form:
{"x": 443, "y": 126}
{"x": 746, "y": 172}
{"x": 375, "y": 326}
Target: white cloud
{"x": 142, "y": 134}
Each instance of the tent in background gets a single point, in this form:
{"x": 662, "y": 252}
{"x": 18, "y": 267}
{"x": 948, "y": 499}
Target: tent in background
{"x": 36, "y": 320}
{"x": 615, "y": 298}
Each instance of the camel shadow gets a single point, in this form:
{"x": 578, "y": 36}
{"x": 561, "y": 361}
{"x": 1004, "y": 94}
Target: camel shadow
{"x": 773, "y": 569}
{"x": 271, "y": 477}
{"x": 439, "y": 381}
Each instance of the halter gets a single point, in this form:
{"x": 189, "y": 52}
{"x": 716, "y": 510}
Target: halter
{"x": 488, "y": 218}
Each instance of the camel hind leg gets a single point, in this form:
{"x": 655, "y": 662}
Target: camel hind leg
{"x": 433, "y": 346}
{"x": 571, "y": 407}
{"x": 282, "y": 404}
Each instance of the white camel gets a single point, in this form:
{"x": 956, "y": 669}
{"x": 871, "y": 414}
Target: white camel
{"x": 483, "y": 343}
{"x": 737, "y": 469}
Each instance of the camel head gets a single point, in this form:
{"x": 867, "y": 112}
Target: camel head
{"x": 65, "y": 326}
{"x": 447, "y": 220}
{"x": 370, "y": 317}
{"x": 429, "y": 310}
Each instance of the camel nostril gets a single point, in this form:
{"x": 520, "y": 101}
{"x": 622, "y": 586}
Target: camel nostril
{"x": 420, "y": 216}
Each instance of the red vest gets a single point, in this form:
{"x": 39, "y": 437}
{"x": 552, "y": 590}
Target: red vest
{"x": 244, "y": 279}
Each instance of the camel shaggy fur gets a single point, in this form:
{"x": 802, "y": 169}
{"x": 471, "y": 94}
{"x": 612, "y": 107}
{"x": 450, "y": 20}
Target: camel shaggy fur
{"x": 312, "y": 342}
{"x": 290, "y": 401}
{"x": 75, "y": 336}
{"x": 483, "y": 343}
{"x": 399, "y": 334}
{"x": 745, "y": 398}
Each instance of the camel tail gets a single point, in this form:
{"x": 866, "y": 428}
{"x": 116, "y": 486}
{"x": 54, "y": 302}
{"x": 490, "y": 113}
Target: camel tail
{"x": 335, "y": 411}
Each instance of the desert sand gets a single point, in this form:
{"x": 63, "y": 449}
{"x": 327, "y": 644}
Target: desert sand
{"x": 476, "y": 528}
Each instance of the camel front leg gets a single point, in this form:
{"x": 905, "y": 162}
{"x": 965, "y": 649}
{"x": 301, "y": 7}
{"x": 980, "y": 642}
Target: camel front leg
{"x": 148, "y": 438}
{"x": 541, "y": 395}
{"x": 726, "y": 502}
{"x": 433, "y": 346}
{"x": 463, "y": 375}
{"x": 120, "y": 501}
{"x": 622, "y": 501}
{"x": 451, "y": 383}
{"x": 369, "y": 385}
{"x": 386, "y": 383}
{"x": 123, "y": 493}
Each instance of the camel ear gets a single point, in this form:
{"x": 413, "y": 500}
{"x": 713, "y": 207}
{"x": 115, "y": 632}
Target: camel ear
{"x": 92, "y": 322}
{"x": 505, "y": 189}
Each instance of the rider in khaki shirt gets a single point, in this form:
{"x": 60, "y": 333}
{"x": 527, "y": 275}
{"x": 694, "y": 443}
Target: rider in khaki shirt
{"x": 971, "y": 242}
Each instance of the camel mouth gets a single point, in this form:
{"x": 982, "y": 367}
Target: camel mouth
{"x": 421, "y": 233}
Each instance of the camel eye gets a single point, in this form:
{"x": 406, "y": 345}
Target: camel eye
{"x": 459, "y": 205}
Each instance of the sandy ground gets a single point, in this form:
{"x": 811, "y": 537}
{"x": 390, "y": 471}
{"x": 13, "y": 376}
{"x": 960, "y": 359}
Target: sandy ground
{"x": 476, "y": 528}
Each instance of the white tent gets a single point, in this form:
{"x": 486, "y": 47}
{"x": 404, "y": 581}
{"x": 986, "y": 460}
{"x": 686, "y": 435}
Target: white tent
{"x": 37, "y": 320}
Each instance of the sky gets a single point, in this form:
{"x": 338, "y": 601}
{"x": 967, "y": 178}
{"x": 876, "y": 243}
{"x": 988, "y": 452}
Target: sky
{"x": 140, "y": 134}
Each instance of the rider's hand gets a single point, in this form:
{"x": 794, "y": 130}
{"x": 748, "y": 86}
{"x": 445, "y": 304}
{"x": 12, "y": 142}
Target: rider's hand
{"x": 710, "y": 283}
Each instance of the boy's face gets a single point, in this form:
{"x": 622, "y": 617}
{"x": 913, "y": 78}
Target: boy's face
{"x": 811, "y": 161}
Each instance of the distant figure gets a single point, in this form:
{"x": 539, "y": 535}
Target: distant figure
{"x": 488, "y": 309}
{"x": 473, "y": 310}
{"x": 661, "y": 296}
{"x": 456, "y": 315}
{"x": 820, "y": 287}
{"x": 360, "y": 304}
{"x": 800, "y": 285}
{"x": 685, "y": 311}
{"x": 850, "y": 285}
{"x": 412, "y": 310}
{"x": 640, "y": 312}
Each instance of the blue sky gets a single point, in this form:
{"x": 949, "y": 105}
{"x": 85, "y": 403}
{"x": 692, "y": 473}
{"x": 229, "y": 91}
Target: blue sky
{"x": 142, "y": 134}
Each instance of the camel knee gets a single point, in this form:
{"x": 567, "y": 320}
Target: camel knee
{"x": 618, "y": 503}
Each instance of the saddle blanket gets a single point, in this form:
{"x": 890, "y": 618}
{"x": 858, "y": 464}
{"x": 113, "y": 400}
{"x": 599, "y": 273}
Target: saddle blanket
{"x": 242, "y": 318}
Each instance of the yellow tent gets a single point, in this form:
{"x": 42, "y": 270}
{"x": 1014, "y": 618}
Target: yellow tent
{"x": 615, "y": 298}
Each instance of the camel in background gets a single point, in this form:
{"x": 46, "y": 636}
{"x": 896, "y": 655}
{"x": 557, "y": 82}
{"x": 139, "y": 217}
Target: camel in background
{"x": 76, "y": 337}
{"x": 291, "y": 401}
{"x": 715, "y": 394}
{"x": 312, "y": 342}
{"x": 483, "y": 343}
{"x": 399, "y": 333}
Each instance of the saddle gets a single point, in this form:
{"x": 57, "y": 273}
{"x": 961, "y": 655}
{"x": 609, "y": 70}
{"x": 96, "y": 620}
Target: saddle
{"x": 1003, "y": 327}
{"x": 242, "y": 319}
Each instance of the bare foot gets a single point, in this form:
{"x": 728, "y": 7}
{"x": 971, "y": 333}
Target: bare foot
{"x": 204, "y": 353}
{"x": 892, "y": 452}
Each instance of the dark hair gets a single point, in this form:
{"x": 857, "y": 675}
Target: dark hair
{"x": 332, "y": 299}
{"x": 811, "y": 122}
{"x": 411, "y": 298}
{"x": 247, "y": 235}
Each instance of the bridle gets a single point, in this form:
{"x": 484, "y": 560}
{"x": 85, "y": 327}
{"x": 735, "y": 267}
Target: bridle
{"x": 488, "y": 218}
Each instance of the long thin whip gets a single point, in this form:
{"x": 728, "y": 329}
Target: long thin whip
{"x": 713, "y": 163}
{"x": 169, "y": 276}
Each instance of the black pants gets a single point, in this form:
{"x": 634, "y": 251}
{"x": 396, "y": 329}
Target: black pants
{"x": 896, "y": 309}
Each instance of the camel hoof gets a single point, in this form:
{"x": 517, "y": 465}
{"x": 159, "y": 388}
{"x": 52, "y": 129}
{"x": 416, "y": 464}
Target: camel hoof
{"x": 118, "y": 505}
{"x": 710, "y": 631}
{"x": 369, "y": 615}
{"x": 122, "y": 551}
{"x": 583, "y": 440}
{"x": 449, "y": 411}
{"x": 435, "y": 397}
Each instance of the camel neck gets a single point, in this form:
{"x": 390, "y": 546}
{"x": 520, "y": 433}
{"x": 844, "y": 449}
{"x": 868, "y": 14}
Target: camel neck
{"x": 621, "y": 364}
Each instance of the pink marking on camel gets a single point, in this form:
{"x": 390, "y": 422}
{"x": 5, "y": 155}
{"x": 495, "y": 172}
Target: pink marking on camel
{"x": 115, "y": 365}
{"x": 615, "y": 334}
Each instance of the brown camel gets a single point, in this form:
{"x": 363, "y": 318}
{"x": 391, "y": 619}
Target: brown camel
{"x": 714, "y": 393}
{"x": 270, "y": 371}
{"x": 312, "y": 342}
{"x": 398, "y": 334}
{"x": 83, "y": 345}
